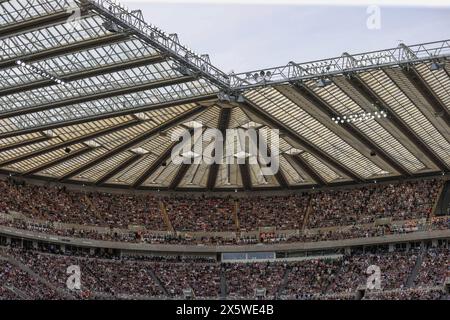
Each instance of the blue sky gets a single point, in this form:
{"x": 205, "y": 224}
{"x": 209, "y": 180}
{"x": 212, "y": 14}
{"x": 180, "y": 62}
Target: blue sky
{"x": 247, "y": 37}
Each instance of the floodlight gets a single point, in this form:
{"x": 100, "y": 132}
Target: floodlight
{"x": 435, "y": 66}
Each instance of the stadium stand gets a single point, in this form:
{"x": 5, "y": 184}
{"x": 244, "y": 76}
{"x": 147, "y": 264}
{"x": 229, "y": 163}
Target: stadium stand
{"x": 152, "y": 278}
{"x": 89, "y": 177}
{"x": 45, "y": 206}
{"x": 204, "y": 214}
{"x": 405, "y": 201}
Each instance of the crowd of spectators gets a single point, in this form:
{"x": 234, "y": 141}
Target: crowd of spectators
{"x": 18, "y": 284}
{"x": 7, "y": 294}
{"x": 335, "y": 215}
{"x": 201, "y": 214}
{"x": 435, "y": 268}
{"x": 129, "y": 276}
{"x": 440, "y": 223}
{"x": 395, "y": 267}
{"x": 149, "y": 237}
{"x": 311, "y": 277}
{"x": 99, "y": 276}
{"x": 244, "y": 278}
{"x": 202, "y": 278}
{"x": 407, "y": 294}
{"x": 357, "y": 231}
{"x": 57, "y": 204}
{"x": 320, "y": 296}
{"x": 134, "y": 277}
{"x": 339, "y": 279}
{"x": 282, "y": 212}
{"x": 401, "y": 201}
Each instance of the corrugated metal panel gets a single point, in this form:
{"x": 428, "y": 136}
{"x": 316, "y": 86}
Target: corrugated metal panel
{"x": 296, "y": 117}
{"x": 339, "y": 101}
{"x": 399, "y": 103}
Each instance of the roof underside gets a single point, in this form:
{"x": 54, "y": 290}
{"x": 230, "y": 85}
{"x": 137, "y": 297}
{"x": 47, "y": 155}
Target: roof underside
{"x": 128, "y": 89}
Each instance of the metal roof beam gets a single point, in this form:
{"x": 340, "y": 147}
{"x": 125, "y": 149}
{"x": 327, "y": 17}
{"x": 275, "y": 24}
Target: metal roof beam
{"x": 224, "y": 121}
{"x": 53, "y": 163}
{"x": 102, "y": 95}
{"x": 309, "y": 170}
{"x": 281, "y": 179}
{"x": 304, "y": 143}
{"x": 141, "y": 138}
{"x": 64, "y": 50}
{"x": 371, "y": 96}
{"x": 279, "y": 176}
{"x": 135, "y": 158}
{"x": 245, "y": 175}
{"x": 155, "y": 165}
{"x": 30, "y": 24}
{"x": 102, "y": 116}
{"x": 312, "y": 97}
{"x": 179, "y": 176}
{"x": 67, "y": 143}
{"x": 343, "y": 64}
{"x": 184, "y": 166}
{"x": 24, "y": 143}
{"x": 121, "y": 66}
{"x": 162, "y": 42}
{"x": 447, "y": 72}
{"x": 424, "y": 89}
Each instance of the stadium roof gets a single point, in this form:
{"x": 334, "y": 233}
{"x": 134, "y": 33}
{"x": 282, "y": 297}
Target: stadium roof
{"x": 90, "y": 93}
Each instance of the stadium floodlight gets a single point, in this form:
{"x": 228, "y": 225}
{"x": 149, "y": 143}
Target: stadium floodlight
{"x": 92, "y": 144}
{"x": 322, "y": 83}
{"x": 185, "y": 71}
{"x": 435, "y": 66}
{"x": 139, "y": 151}
{"x": 49, "y": 134}
{"x": 251, "y": 124}
{"x": 241, "y": 155}
{"x": 190, "y": 155}
{"x": 111, "y": 26}
{"x": 359, "y": 117}
{"x": 259, "y": 76}
{"x": 39, "y": 71}
{"x": 226, "y": 97}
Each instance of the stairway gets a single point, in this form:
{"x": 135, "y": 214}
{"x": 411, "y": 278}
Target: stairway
{"x": 236, "y": 216}
{"x": 89, "y": 202}
{"x": 308, "y": 212}
{"x": 165, "y": 217}
{"x": 442, "y": 206}
{"x": 87, "y": 269}
{"x": 158, "y": 282}
{"x": 38, "y": 278}
{"x": 413, "y": 275}
{"x": 284, "y": 282}
{"x": 18, "y": 293}
{"x": 92, "y": 207}
{"x": 338, "y": 271}
{"x": 223, "y": 284}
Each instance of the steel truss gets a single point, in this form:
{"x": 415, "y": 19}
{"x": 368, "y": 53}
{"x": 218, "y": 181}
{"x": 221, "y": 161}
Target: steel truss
{"x": 168, "y": 44}
{"x": 130, "y": 67}
{"x": 293, "y": 72}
